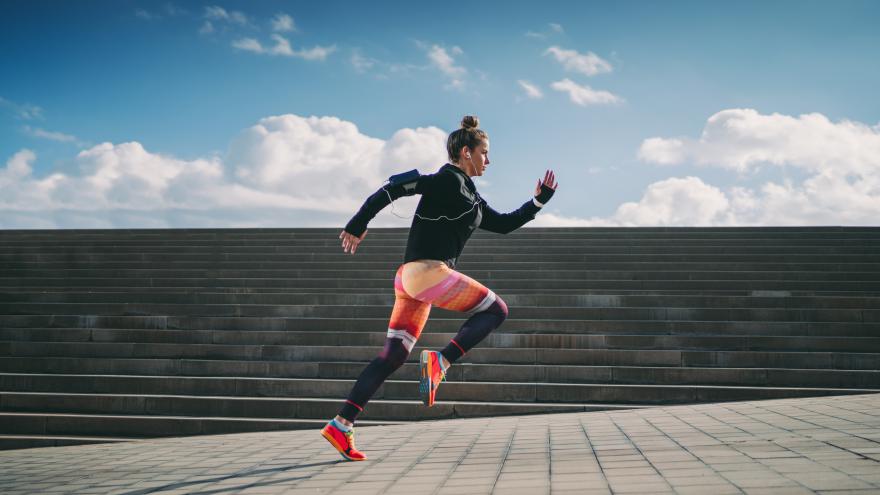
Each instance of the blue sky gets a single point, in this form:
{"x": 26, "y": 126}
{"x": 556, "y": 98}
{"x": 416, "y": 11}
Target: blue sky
{"x": 130, "y": 97}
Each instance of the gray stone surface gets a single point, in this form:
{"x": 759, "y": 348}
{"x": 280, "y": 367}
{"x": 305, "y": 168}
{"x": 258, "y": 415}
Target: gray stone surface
{"x": 790, "y": 446}
{"x": 168, "y": 332}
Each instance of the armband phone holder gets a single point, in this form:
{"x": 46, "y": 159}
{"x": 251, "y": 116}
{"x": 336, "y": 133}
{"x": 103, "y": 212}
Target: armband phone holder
{"x": 408, "y": 181}
{"x": 404, "y": 178}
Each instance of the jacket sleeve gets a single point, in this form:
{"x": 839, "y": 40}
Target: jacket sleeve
{"x": 374, "y": 204}
{"x": 426, "y": 184}
{"x": 505, "y": 223}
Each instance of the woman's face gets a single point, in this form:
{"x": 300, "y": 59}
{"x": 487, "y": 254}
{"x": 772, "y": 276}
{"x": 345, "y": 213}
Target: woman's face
{"x": 474, "y": 162}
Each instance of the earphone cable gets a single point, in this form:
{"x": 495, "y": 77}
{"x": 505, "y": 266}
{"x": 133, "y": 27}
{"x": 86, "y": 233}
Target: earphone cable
{"x": 384, "y": 188}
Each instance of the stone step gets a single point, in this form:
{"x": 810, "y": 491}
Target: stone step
{"x": 497, "y": 339}
{"x": 389, "y": 293}
{"x": 564, "y": 275}
{"x": 564, "y": 393}
{"x": 386, "y": 299}
{"x": 593, "y": 357}
{"x": 554, "y": 244}
{"x": 32, "y": 268}
{"x": 386, "y": 235}
{"x": 461, "y": 372}
{"x": 148, "y": 426}
{"x": 395, "y": 258}
{"x": 379, "y": 311}
{"x": 273, "y": 407}
{"x": 18, "y": 442}
{"x": 498, "y": 285}
{"x": 403, "y": 230}
{"x": 474, "y": 247}
{"x": 568, "y": 327}
{"x": 617, "y": 233}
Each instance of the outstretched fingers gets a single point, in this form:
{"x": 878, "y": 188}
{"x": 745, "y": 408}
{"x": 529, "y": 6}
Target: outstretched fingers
{"x": 347, "y": 242}
{"x": 550, "y": 179}
{"x": 350, "y": 241}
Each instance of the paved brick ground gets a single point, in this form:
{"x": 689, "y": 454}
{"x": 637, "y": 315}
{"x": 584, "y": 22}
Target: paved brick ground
{"x": 820, "y": 445}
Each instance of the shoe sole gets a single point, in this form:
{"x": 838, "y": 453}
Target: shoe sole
{"x": 338, "y": 448}
{"x": 425, "y": 378}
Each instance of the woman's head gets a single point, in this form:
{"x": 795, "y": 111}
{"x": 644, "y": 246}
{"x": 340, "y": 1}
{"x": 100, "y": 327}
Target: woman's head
{"x": 468, "y": 147}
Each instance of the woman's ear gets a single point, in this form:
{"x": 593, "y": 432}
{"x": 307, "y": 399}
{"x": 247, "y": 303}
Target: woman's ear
{"x": 465, "y": 152}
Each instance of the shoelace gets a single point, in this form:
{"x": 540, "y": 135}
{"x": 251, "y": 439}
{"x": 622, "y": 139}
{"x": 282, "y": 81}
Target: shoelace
{"x": 350, "y": 435}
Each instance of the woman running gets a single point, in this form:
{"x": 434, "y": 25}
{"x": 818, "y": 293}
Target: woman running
{"x": 449, "y": 211}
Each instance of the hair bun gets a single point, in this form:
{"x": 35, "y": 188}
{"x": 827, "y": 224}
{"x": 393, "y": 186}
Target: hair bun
{"x": 470, "y": 122}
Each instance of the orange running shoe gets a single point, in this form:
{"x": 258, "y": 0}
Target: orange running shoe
{"x": 343, "y": 441}
{"x": 430, "y": 375}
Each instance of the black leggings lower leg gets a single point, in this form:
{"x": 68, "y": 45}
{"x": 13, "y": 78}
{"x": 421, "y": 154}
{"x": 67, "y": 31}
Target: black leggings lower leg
{"x": 475, "y": 329}
{"x": 391, "y": 358}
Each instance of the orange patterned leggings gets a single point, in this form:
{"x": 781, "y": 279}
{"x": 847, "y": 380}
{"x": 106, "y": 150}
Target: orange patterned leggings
{"x": 439, "y": 286}
{"x": 456, "y": 292}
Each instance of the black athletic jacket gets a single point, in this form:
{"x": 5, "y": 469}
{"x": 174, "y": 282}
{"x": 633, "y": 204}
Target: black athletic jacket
{"x": 450, "y": 193}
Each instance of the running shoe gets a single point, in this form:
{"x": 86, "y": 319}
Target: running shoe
{"x": 343, "y": 441}
{"x": 430, "y": 375}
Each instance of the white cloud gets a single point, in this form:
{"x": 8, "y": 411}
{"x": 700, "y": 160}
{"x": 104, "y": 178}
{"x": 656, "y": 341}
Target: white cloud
{"x": 585, "y": 95}
{"x": 282, "y": 48}
{"x": 380, "y": 69}
{"x": 362, "y": 64}
{"x": 548, "y": 219}
{"x": 456, "y": 84}
{"x": 662, "y": 151}
{"x": 18, "y": 166}
{"x": 284, "y": 171}
{"x": 554, "y": 28}
{"x": 670, "y": 202}
{"x": 742, "y": 139}
{"x": 207, "y": 28}
{"x": 443, "y": 61}
{"x": 50, "y": 135}
{"x": 283, "y": 23}
{"x": 589, "y": 64}
{"x": 675, "y": 201}
{"x": 531, "y": 90}
{"x": 315, "y": 52}
{"x": 216, "y": 13}
{"x": 841, "y": 160}
{"x": 24, "y": 111}
{"x": 249, "y": 45}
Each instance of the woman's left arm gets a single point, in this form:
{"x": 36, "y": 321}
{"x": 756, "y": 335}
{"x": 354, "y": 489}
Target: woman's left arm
{"x": 504, "y": 223}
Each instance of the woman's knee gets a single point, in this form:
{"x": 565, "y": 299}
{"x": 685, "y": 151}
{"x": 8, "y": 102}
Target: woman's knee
{"x": 499, "y": 307}
{"x": 394, "y": 355}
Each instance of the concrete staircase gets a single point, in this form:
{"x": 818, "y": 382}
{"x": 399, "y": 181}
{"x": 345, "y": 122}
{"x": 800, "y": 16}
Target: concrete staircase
{"x": 108, "y": 335}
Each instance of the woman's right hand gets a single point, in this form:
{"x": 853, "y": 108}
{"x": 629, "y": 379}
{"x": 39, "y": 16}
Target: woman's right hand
{"x": 544, "y": 191}
{"x": 351, "y": 241}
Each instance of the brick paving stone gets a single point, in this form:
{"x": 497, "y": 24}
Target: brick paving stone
{"x": 873, "y": 479}
{"x": 779, "y": 490}
{"x": 708, "y": 489}
{"x": 787, "y": 446}
{"x": 695, "y": 480}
